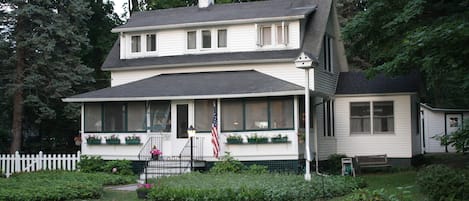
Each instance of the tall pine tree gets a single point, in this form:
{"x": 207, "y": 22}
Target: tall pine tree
{"x": 46, "y": 38}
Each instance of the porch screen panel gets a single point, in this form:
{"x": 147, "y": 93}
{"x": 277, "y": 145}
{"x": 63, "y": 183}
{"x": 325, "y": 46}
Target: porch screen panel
{"x": 360, "y": 117}
{"x": 160, "y": 113}
{"x": 281, "y": 113}
{"x": 232, "y": 115}
{"x": 383, "y": 117}
{"x": 93, "y": 120}
{"x": 136, "y": 116}
{"x": 114, "y": 117}
{"x": 203, "y": 115}
{"x": 256, "y": 115}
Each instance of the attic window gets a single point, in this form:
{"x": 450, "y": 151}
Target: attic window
{"x": 272, "y": 35}
{"x": 151, "y": 42}
{"x": 136, "y": 46}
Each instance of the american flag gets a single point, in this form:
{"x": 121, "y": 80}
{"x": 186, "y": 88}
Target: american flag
{"x": 216, "y": 145}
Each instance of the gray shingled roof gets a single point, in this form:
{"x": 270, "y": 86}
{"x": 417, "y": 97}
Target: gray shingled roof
{"x": 357, "y": 83}
{"x": 193, "y": 86}
{"x": 219, "y": 12}
{"x": 113, "y": 61}
{"x": 311, "y": 34}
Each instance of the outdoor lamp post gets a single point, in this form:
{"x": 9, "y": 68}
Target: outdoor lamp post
{"x": 304, "y": 61}
{"x": 191, "y": 133}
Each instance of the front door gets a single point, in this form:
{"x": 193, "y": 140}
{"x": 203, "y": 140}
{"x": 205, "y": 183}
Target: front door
{"x": 184, "y": 111}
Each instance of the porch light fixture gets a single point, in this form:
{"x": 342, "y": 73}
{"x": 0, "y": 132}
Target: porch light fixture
{"x": 306, "y": 62}
{"x": 191, "y": 133}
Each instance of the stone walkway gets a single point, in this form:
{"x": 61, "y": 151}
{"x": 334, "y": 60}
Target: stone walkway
{"x": 129, "y": 187}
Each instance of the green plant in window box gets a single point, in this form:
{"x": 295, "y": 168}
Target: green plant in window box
{"x": 234, "y": 139}
{"x": 93, "y": 139}
{"x": 279, "y": 139}
{"x": 113, "y": 139}
{"x": 255, "y": 139}
{"x": 133, "y": 139}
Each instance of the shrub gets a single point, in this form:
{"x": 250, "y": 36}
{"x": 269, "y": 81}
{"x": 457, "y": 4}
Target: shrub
{"x": 57, "y": 185}
{"x": 228, "y": 164}
{"x": 257, "y": 169}
{"x": 246, "y": 187}
{"x": 371, "y": 195}
{"x": 91, "y": 164}
{"x": 334, "y": 164}
{"x": 122, "y": 167}
{"x": 440, "y": 182}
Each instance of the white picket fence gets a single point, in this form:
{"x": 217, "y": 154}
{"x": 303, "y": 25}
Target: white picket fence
{"x": 11, "y": 163}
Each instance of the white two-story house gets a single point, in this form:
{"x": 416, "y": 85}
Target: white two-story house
{"x": 174, "y": 68}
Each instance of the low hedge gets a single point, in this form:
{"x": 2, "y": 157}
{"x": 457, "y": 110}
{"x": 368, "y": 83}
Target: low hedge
{"x": 246, "y": 187}
{"x": 443, "y": 183}
{"x": 57, "y": 185}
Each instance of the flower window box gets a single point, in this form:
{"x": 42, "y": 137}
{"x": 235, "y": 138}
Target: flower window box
{"x": 234, "y": 141}
{"x": 255, "y": 139}
{"x": 279, "y": 139}
{"x": 132, "y": 140}
{"x": 93, "y": 141}
{"x": 113, "y": 139}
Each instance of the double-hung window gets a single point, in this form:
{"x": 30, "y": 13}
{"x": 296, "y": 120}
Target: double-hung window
{"x": 372, "y": 117}
{"x": 206, "y": 39}
{"x": 272, "y": 35}
{"x": 328, "y": 57}
{"x": 221, "y": 37}
{"x": 191, "y": 40}
{"x": 151, "y": 42}
{"x": 136, "y": 44}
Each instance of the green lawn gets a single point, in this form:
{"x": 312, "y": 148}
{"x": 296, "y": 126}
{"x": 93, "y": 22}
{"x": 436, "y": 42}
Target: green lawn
{"x": 113, "y": 195}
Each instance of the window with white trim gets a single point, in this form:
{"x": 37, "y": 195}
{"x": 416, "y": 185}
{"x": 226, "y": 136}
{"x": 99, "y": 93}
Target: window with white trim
{"x": 191, "y": 40}
{"x": 136, "y": 44}
{"x": 221, "y": 37}
{"x": 272, "y": 35}
{"x": 151, "y": 42}
{"x": 206, "y": 39}
{"x": 375, "y": 117}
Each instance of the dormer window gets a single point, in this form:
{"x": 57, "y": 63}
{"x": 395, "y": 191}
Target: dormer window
{"x": 206, "y": 39}
{"x": 271, "y": 35}
{"x": 151, "y": 42}
{"x": 222, "y": 38}
{"x": 210, "y": 39}
{"x": 136, "y": 44}
{"x": 191, "y": 40}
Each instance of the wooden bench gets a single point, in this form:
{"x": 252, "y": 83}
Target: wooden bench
{"x": 372, "y": 161}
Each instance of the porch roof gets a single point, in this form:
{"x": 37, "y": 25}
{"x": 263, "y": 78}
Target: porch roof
{"x": 225, "y": 84}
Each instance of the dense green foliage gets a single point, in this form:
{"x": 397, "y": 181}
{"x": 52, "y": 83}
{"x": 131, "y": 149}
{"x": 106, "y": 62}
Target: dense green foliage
{"x": 231, "y": 186}
{"x": 333, "y": 165}
{"x": 429, "y": 36}
{"x": 63, "y": 42}
{"x": 375, "y": 195}
{"x": 442, "y": 183}
{"x": 93, "y": 164}
{"x": 228, "y": 164}
{"x": 58, "y": 185}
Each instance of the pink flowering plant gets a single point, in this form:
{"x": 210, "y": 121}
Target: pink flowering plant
{"x": 155, "y": 151}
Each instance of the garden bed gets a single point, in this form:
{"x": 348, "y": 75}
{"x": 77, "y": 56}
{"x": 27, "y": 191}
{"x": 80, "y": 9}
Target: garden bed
{"x": 230, "y": 186}
{"x": 58, "y": 185}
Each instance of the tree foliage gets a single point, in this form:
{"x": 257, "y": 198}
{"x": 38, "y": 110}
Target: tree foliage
{"x": 459, "y": 139}
{"x": 45, "y": 39}
{"x": 430, "y": 36}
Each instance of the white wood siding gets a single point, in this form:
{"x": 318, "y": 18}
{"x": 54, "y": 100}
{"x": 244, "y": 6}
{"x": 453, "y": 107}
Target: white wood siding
{"x": 398, "y": 145}
{"x": 284, "y": 71}
{"x": 240, "y": 38}
{"x": 434, "y": 124}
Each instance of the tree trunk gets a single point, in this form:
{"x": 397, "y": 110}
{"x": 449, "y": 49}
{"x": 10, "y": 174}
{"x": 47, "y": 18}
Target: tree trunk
{"x": 17, "y": 123}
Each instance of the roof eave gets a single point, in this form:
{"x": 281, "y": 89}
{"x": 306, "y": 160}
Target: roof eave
{"x": 198, "y": 64}
{"x": 189, "y": 97}
{"x": 212, "y": 23}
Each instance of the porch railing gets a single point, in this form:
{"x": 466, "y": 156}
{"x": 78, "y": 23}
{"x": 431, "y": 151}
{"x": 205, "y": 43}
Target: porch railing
{"x": 194, "y": 145}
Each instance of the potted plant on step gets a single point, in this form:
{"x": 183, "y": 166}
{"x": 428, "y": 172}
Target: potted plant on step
{"x": 143, "y": 190}
{"x": 155, "y": 153}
